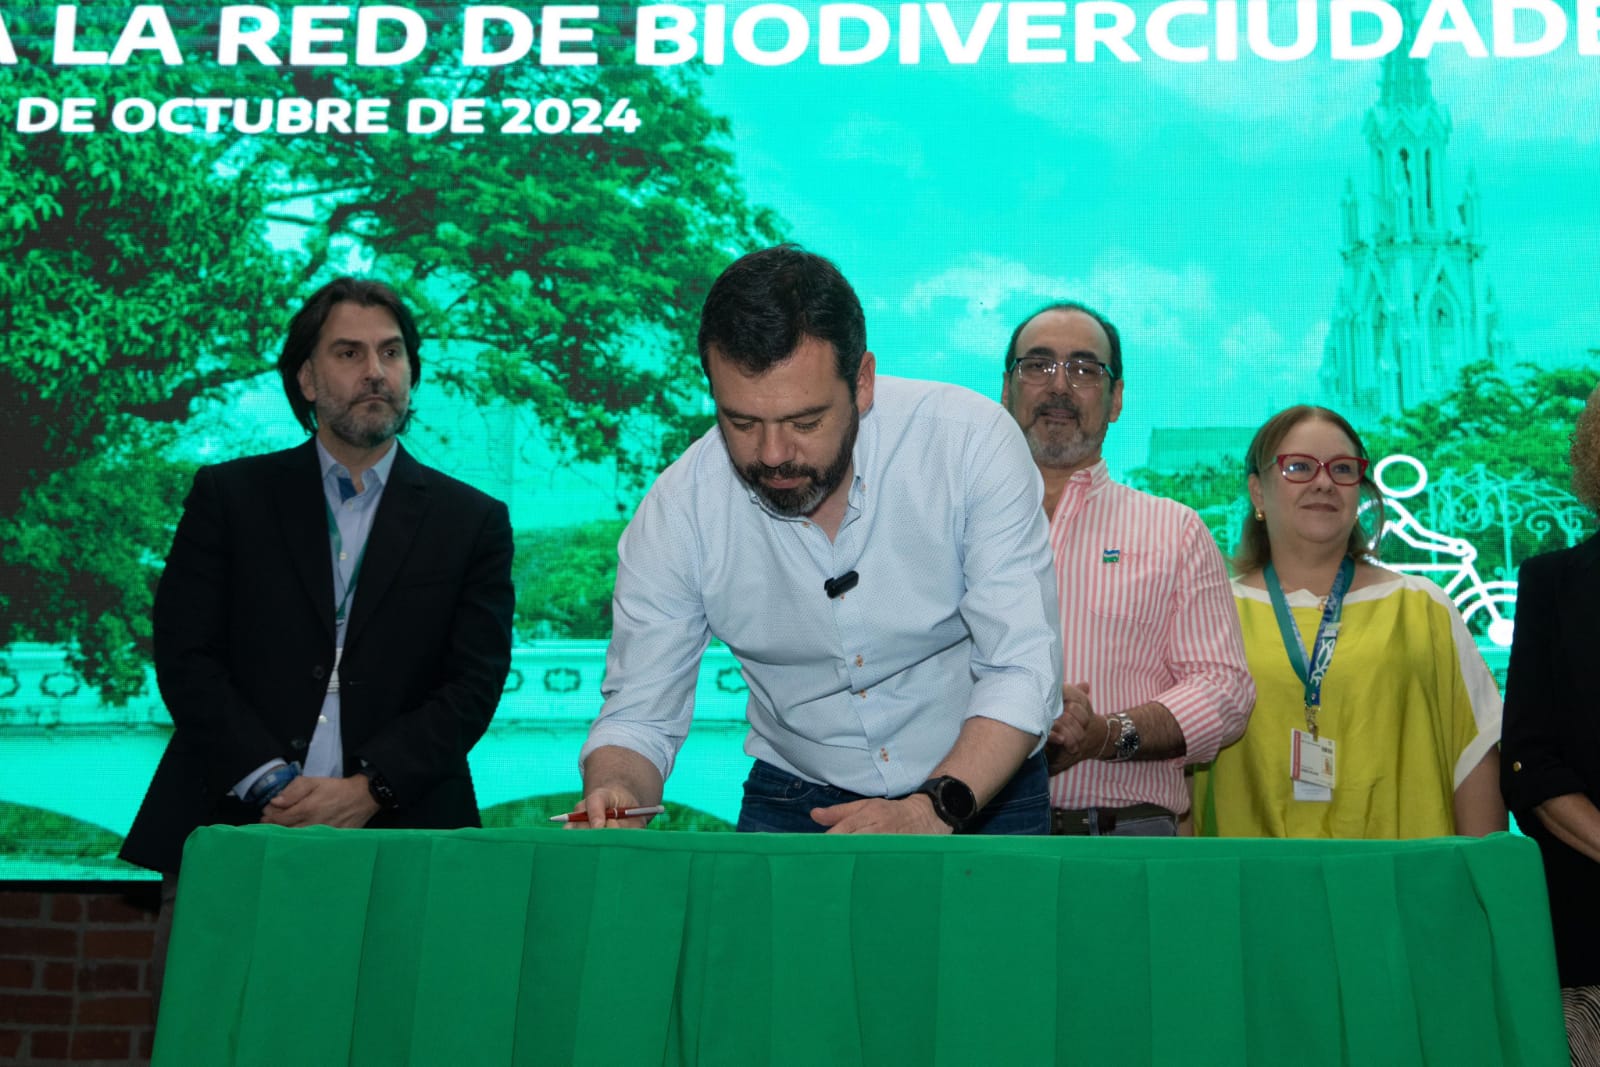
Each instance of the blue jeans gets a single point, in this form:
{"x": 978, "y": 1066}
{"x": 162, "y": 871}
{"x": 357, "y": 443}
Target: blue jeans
{"x": 778, "y": 802}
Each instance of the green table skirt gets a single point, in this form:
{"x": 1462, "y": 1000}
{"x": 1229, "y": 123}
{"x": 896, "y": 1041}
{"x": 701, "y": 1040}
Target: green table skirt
{"x": 531, "y": 946}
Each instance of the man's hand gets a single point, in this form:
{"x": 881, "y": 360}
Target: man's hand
{"x": 908, "y": 815}
{"x": 596, "y": 803}
{"x": 616, "y": 777}
{"x": 308, "y": 801}
{"x": 1078, "y": 734}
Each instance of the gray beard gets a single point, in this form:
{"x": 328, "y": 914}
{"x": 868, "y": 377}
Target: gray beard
{"x": 1058, "y": 451}
{"x": 366, "y": 433}
{"x": 1073, "y": 453}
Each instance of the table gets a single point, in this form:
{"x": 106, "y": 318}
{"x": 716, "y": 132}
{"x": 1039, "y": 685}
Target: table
{"x": 325, "y": 946}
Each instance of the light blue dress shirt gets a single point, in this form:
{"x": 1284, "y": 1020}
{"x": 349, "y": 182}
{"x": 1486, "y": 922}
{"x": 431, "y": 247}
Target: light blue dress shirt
{"x": 955, "y": 614}
{"x": 353, "y": 515}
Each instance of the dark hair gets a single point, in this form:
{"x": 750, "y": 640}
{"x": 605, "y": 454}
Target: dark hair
{"x": 1071, "y": 305}
{"x": 306, "y": 327}
{"x": 1255, "y": 548}
{"x": 767, "y": 303}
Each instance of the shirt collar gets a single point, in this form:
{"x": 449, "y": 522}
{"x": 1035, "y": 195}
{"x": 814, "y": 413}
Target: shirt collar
{"x": 1081, "y": 485}
{"x": 1091, "y": 478}
{"x": 376, "y": 476}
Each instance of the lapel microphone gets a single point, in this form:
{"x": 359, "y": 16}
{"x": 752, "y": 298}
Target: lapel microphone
{"x": 840, "y": 585}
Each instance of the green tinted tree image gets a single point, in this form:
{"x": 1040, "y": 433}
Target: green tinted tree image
{"x": 135, "y": 283}
{"x": 1516, "y": 424}
{"x": 1495, "y": 448}
{"x": 1495, "y": 451}
{"x": 560, "y": 272}
{"x": 564, "y": 271}
{"x": 564, "y": 578}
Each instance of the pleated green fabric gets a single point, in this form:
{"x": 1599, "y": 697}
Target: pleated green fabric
{"x": 539, "y": 947}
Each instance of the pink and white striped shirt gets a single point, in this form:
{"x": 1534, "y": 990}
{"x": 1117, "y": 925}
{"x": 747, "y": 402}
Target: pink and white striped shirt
{"x": 1146, "y": 614}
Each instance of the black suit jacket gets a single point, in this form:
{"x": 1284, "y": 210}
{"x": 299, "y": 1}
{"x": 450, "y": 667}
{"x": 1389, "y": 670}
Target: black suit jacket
{"x": 244, "y": 641}
{"x": 1550, "y": 741}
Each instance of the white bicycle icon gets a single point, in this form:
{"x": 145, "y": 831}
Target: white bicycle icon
{"x": 1472, "y": 596}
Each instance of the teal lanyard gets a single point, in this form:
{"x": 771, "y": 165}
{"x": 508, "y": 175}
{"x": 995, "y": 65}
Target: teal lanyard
{"x": 338, "y": 550}
{"x": 1327, "y": 635}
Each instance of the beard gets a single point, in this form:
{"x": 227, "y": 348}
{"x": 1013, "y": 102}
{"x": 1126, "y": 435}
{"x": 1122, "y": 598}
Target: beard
{"x": 805, "y": 498}
{"x": 366, "y": 426}
{"x": 1055, "y": 445}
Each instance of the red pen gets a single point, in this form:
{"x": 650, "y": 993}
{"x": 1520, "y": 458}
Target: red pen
{"x": 611, "y": 813}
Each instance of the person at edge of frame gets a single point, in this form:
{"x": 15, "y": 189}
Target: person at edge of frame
{"x": 1550, "y": 766}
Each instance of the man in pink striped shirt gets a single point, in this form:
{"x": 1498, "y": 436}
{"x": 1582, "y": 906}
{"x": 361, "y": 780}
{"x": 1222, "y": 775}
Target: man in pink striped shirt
{"x": 1150, "y": 640}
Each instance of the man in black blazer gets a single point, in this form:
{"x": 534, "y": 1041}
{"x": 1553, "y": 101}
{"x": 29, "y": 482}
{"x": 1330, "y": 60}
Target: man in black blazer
{"x": 333, "y": 627}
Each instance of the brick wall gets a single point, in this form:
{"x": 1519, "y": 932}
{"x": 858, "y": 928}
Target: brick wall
{"x": 74, "y": 973}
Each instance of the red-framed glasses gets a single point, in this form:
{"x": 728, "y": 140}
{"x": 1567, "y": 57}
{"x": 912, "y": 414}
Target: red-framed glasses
{"x": 1342, "y": 470}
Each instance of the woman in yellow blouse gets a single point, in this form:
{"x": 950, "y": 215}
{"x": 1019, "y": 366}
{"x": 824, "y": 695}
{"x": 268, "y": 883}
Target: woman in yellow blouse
{"x": 1375, "y": 715}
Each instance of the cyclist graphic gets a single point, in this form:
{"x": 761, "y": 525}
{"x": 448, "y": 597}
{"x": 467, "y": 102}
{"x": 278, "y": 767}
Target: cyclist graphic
{"x": 1495, "y": 601}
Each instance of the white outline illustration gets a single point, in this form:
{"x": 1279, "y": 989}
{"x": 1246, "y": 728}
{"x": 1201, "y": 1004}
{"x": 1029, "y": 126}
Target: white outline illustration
{"x": 1459, "y": 579}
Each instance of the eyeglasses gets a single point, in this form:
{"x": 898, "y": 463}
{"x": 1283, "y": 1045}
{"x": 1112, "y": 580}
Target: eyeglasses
{"x": 1079, "y": 373}
{"x": 1342, "y": 470}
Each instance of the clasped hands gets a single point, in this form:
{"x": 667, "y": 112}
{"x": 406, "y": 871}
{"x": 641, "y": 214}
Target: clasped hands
{"x": 1078, "y": 734}
{"x": 313, "y": 801}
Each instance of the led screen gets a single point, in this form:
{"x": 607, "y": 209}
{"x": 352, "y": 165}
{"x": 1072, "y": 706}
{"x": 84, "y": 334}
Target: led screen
{"x": 1384, "y": 207}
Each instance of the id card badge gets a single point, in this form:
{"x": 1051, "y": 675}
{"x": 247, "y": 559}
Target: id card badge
{"x": 333, "y": 675}
{"x": 1311, "y": 765}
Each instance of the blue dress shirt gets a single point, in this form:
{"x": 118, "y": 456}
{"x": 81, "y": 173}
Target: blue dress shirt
{"x": 353, "y": 515}
{"x": 955, "y": 614}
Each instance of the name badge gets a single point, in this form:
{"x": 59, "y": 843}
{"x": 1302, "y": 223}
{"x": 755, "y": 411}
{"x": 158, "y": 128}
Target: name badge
{"x": 1311, "y": 766}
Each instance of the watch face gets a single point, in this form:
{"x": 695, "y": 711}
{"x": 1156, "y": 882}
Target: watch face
{"x": 1128, "y": 743}
{"x": 955, "y": 798}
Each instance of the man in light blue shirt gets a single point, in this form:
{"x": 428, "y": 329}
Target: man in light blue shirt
{"x": 874, "y": 553}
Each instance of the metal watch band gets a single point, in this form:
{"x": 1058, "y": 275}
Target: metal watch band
{"x": 1127, "y": 742}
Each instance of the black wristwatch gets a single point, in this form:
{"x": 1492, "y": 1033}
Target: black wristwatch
{"x": 953, "y": 800}
{"x": 379, "y": 787}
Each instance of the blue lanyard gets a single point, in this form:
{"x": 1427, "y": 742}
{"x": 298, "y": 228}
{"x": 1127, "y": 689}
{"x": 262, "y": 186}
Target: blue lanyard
{"x": 1327, "y": 635}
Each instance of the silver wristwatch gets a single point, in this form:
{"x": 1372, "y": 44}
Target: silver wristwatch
{"x": 1126, "y": 741}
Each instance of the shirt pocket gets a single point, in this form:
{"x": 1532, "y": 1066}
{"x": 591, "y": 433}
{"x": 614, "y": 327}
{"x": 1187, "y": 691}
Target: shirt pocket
{"x": 1136, "y": 588}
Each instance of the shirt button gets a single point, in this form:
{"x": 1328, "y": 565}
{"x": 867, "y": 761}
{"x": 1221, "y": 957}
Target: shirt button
{"x": 858, "y": 661}
{"x": 322, "y": 720}
{"x": 318, "y": 672}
